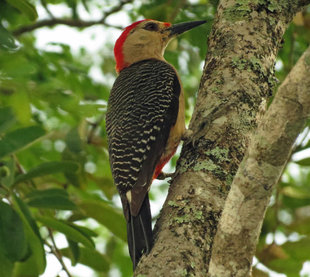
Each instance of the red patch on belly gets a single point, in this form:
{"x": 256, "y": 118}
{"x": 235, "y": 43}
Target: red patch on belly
{"x": 162, "y": 163}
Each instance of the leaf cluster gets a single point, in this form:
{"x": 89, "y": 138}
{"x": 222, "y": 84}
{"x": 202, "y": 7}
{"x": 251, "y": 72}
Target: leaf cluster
{"x": 54, "y": 168}
{"x": 55, "y": 176}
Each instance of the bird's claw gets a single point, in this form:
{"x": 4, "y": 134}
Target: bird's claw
{"x": 187, "y": 134}
{"x": 163, "y": 176}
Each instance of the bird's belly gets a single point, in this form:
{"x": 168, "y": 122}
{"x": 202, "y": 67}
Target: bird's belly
{"x": 174, "y": 138}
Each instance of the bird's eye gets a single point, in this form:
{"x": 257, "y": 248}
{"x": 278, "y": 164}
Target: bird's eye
{"x": 151, "y": 26}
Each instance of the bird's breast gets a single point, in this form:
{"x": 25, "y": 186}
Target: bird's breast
{"x": 174, "y": 138}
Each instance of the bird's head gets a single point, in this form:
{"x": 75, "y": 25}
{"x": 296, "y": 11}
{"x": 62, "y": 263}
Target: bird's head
{"x": 147, "y": 39}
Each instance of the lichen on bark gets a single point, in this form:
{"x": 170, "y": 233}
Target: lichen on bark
{"x": 260, "y": 170}
{"x": 238, "y": 77}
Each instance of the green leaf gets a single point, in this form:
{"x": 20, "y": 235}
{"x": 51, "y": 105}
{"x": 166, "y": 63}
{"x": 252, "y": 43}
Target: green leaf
{"x": 27, "y": 268}
{"x": 50, "y": 198}
{"x": 303, "y": 162}
{"x": 71, "y": 232}
{"x": 73, "y": 141}
{"x": 52, "y": 202}
{"x": 24, "y": 7}
{"x": 120, "y": 257}
{"x": 36, "y": 262}
{"x": 74, "y": 251}
{"x": 290, "y": 267}
{"x": 12, "y": 234}
{"x": 7, "y": 172}
{"x": 87, "y": 232}
{"x": 295, "y": 196}
{"x": 6, "y": 265}
{"x": 301, "y": 226}
{"x": 104, "y": 213}
{"x": 295, "y": 192}
{"x": 19, "y": 101}
{"x": 7, "y": 41}
{"x": 106, "y": 184}
{"x": 24, "y": 212}
{"x": 48, "y": 168}
{"x": 298, "y": 250}
{"x": 74, "y": 152}
{"x": 18, "y": 139}
{"x": 91, "y": 258}
{"x": 84, "y": 2}
{"x": 7, "y": 118}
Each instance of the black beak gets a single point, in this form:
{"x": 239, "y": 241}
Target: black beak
{"x": 180, "y": 28}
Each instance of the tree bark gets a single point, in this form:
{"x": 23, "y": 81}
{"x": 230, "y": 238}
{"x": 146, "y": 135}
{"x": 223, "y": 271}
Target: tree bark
{"x": 237, "y": 78}
{"x": 259, "y": 172}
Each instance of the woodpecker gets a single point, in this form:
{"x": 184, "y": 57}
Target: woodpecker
{"x": 144, "y": 121}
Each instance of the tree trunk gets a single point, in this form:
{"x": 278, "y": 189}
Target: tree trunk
{"x": 240, "y": 224}
{"x": 237, "y": 79}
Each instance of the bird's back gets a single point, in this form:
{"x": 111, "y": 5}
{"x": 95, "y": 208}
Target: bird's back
{"x": 142, "y": 107}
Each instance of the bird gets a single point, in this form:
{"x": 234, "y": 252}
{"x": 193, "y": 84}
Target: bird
{"x": 145, "y": 121}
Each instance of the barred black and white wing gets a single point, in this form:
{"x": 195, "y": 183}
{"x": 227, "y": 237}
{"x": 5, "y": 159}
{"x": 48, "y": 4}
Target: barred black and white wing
{"x": 142, "y": 108}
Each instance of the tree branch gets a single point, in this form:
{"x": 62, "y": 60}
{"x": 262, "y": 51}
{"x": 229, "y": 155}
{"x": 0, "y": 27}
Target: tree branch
{"x": 238, "y": 75}
{"x": 56, "y": 252}
{"x": 70, "y": 22}
{"x": 259, "y": 172}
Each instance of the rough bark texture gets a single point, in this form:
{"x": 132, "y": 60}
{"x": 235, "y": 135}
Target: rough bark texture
{"x": 259, "y": 171}
{"x": 237, "y": 77}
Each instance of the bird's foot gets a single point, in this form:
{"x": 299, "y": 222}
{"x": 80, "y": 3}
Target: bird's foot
{"x": 187, "y": 134}
{"x": 163, "y": 175}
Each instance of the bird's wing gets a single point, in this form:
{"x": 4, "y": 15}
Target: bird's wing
{"x": 142, "y": 108}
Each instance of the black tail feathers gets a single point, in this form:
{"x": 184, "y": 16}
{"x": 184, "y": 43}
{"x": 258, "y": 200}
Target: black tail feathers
{"x": 139, "y": 232}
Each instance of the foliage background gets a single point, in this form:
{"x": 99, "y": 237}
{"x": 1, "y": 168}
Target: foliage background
{"x": 57, "y": 192}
